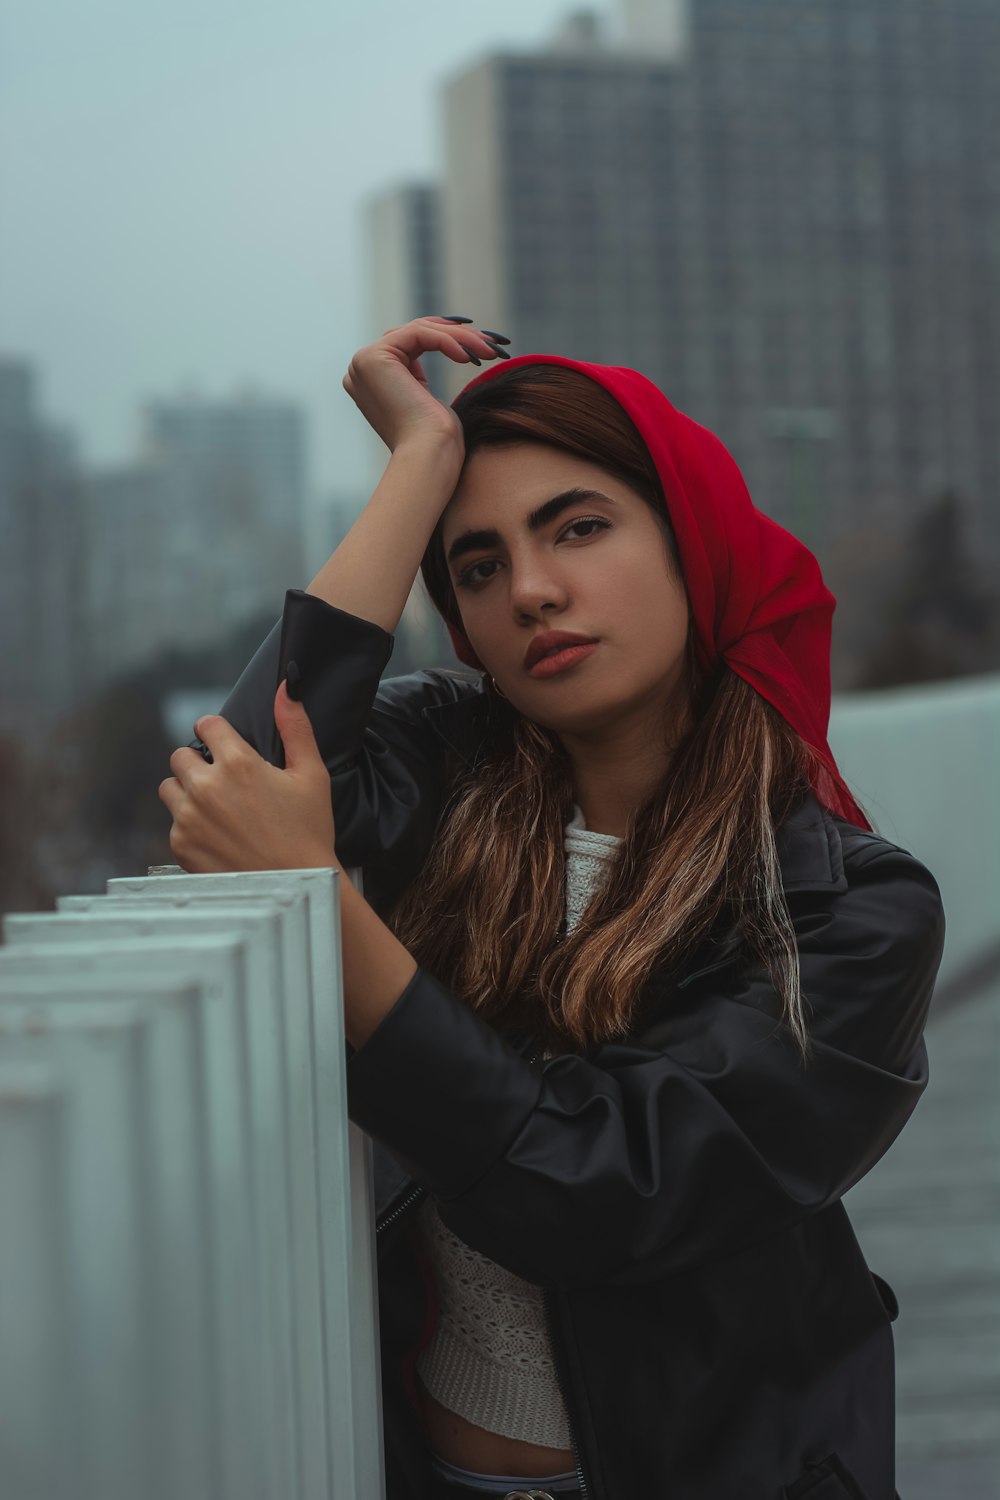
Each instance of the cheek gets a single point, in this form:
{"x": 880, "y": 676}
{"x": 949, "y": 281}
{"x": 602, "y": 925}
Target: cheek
{"x": 479, "y": 623}
{"x": 635, "y": 586}
{"x": 651, "y": 610}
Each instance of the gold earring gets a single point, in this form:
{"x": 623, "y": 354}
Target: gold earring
{"x": 497, "y": 688}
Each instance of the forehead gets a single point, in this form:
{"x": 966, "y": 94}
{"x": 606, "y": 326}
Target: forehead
{"x": 499, "y": 486}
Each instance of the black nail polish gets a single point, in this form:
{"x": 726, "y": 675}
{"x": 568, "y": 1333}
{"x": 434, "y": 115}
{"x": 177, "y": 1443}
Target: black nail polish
{"x": 497, "y": 350}
{"x": 293, "y": 678}
{"x": 488, "y": 332}
{"x": 474, "y": 357}
{"x": 454, "y": 318}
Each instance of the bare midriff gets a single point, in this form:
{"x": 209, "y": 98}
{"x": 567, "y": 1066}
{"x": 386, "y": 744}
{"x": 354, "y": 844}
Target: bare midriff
{"x": 471, "y": 1447}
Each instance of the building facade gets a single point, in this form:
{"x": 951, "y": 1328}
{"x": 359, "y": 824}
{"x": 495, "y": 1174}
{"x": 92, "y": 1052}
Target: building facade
{"x": 204, "y": 531}
{"x": 42, "y": 644}
{"x": 403, "y": 234}
{"x": 787, "y": 215}
{"x": 231, "y": 480}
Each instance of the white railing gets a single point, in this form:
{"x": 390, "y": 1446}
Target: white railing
{"x": 187, "y": 1298}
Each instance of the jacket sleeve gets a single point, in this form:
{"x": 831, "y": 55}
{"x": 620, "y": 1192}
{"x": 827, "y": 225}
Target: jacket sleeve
{"x": 646, "y": 1157}
{"x": 387, "y": 773}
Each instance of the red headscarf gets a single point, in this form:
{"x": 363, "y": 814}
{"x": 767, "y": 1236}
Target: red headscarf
{"x": 757, "y": 593}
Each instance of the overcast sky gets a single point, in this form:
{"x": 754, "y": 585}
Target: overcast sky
{"x": 180, "y": 193}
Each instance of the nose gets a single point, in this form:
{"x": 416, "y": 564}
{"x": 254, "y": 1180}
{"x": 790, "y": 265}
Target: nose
{"x": 536, "y": 585}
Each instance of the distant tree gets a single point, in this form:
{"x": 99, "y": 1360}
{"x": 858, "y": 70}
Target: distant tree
{"x": 114, "y": 750}
{"x": 944, "y": 618}
{"x": 112, "y": 755}
{"x": 217, "y": 663}
{"x": 83, "y": 805}
{"x": 107, "y": 758}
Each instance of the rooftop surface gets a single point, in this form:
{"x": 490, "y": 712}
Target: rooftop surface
{"x": 928, "y": 1219}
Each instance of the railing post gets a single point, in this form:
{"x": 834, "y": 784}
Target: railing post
{"x": 253, "y": 1366}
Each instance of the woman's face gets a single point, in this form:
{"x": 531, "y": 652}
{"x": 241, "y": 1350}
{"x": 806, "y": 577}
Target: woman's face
{"x": 526, "y": 557}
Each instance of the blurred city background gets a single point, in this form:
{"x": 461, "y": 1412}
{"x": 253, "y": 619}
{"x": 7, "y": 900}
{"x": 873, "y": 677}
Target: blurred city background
{"x": 785, "y": 212}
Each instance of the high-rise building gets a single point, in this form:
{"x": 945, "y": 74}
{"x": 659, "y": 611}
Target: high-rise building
{"x": 403, "y": 230}
{"x": 786, "y": 214}
{"x": 42, "y": 662}
{"x": 134, "y": 596}
{"x": 205, "y": 530}
{"x": 662, "y": 25}
{"x": 404, "y": 243}
{"x": 230, "y": 479}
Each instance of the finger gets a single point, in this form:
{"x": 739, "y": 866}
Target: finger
{"x": 299, "y": 740}
{"x": 184, "y": 761}
{"x": 481, "y": 336}
{"x": 171, "y": 793}
{"x": 219, "y": 735}
{"x": 424, "y": 335}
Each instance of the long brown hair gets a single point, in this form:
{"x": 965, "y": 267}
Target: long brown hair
{"x": 486, "y": 915}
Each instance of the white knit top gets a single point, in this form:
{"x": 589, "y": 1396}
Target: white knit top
{"x": 490, "y": 1359}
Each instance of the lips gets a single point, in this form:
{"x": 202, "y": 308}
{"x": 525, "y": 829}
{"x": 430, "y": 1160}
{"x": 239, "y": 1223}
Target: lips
{"x": 551, "y": 641}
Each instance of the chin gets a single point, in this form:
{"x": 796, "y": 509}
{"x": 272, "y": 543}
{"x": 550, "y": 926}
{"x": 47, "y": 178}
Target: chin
{"x": 581, "y": 718}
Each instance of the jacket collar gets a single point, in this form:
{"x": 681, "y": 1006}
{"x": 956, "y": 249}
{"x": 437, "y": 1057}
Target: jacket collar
{"x": 809, "y": 846}
{"x": 462, "y": 723}
{"x": 810, "y": 851}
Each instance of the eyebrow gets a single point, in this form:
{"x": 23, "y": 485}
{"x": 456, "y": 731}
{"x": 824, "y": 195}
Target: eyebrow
{"x": 472, "y": 541}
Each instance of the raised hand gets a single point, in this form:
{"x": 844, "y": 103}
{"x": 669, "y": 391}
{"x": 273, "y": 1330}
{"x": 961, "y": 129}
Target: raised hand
{"x": 388, "y": 384}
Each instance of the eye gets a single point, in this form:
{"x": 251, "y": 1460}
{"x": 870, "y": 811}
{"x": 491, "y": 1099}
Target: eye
{"x": 588, "y": 521}
{"x": 471, "y": 575}
{"x": 474, "y": 576}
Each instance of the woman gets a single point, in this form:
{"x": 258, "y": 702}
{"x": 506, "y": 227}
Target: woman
{"x": 636, "y": 993}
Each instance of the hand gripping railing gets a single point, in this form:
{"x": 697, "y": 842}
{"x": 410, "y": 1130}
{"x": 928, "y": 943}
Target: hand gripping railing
{"x": 187, "y": 1294}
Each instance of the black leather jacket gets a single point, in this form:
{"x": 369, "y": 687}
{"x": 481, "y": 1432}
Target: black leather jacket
{"x": 717, "y": 1332}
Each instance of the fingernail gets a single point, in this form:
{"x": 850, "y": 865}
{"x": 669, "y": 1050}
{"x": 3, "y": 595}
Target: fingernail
{"x": 491, "y": 335}
{"x": 497, "y": 350}
{"x": 293, "y": 678}
{"x": 474, "y": 357}
{"x": 454, "y": 318}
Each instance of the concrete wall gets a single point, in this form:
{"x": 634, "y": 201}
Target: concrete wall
{"x": 925, "y": 764}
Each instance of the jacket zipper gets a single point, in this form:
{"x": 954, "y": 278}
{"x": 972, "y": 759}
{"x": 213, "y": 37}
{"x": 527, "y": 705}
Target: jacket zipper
{"x": 401, "y": 1208}
{"x": 558, "y": 1362}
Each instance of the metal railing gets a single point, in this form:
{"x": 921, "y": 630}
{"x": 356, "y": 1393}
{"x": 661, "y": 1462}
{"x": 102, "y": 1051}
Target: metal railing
{"x": 187, "y": 1298}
